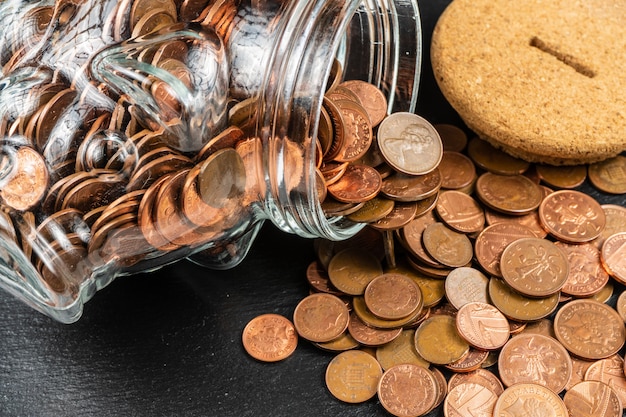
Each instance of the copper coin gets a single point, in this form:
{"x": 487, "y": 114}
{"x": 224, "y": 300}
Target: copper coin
{"x": 351, "y": 269}
{"x": 609, "y": 175}
{"x": 457, "y": 171}
{"x": 353, "y": 376}
{"x": 50, "y": 115}
{"x": 525, "y": 398}
{"x": 270, "y": 338}
{"x": 359, "y": 183}
{"x": 473, "y": 360}
{"x": 530, "y": 220}
{"x": 615, "y": 222}
{"x": 332, "y": 207}
{"x": 412, "y": 233}
{"x": 370, "y": 319}
{"x": 392, "y": 296}
{"x": 370, "y": 336}
{"x": 402, "y": 187}
{"x": 482, "y": 325}
{"x": 358, "y": 131}
{"x": 407, "y": 390}
{"x": 27, "y": 182}
{"x": 593, "y": 398}
{"x": 460, "y": 212}
{"x": 371, "y": 97}
{"x": 141, "y": 7}
{"x": 146, "y": 218}
{"x": 400, "y": 350}
{"x": 516, "y": 306}
{"x": 91, "y": 193}
{"x": 451, "y": 248}
{"x": 535, "y": 358}
{"x": 340, "y": 344}
{"x": 222, "y": 178}
{"x": 372, "y": 210}
{"x": 613, "y": 256}
{"x": 494, "y": 160}
{"x": 433, "y": 290}
{"x": 321, "y": 317}
{"x": 409, "y": 143}
{"x": 193, "y": 207}
{"x": 481, "y": 376}
{"x": 318, "y": 279}
{"x": 534, "y": 267}
{"x": 152, "y": 21}
{"x": 438, "y": 341}
{"x": 465, "y": 285}
{"x": 453, "y": 138}
{"x": 470, "y": 399}
{"x": 572, "y": 216}
{"x": 333, "y": 171}
{"x": 492, "y": 241}
{"x": 338, "y": 129}
{"x": 562, "y": 177}
{"x": 442, "y": 388}
{"x": 509, "y": 194}
{"x": 579, "y": 368}
{"x": 398, "y": 217}
{"x": 586, "y": 276}
{"x": 611, "y": 372}
{"x": 589, "y": 329}
{"x": 147, "y": 174}
{"x": 228, "y": 138}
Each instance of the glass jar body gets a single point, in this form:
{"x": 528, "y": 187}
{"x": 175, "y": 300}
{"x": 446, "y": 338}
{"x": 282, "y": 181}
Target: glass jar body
{"x": 263, "y": 64}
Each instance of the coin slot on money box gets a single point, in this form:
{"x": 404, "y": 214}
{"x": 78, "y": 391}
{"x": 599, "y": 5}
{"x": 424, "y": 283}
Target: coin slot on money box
{"x": 565, "y": 58}
{"x": 133, "y": 137}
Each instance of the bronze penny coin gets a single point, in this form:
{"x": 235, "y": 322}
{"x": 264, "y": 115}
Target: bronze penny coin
{"x": 142, "y": 7}
{"x": 493, "y": 160}
{"x": 400, "y": 350}
{"x": 147, "y": 174}
{"x": 516, "y": 306}
{"x": 457, "y": 171}
{"x": 359, "y": 183}
{"x": 318, "y": 279}
{"x": 572, "y": 216}
{"x": 402, "y": 187}
{"x": 146, "y": 217}
{"x": 337, "y": 127}
{"x": 407, "y": 390}
{"x": 480, "y": 376}
{"x": 412, "y": 233}
{"x": 26, "y": 184}
{"x": 530, "y": 220}
{"x": 615, "y": 222}
{"x": 153, "y": 20}
{"x": 341, "y": 344}
{"x": 613, "y": 256}
{"x": 321, "y": 317}
{"x": 353, "y": 376}
{"x": 371, "y": 97}
{"x": 609, "y": 175}
{"x": 534, "y": 358}
{"x": 399, "y": 216}
{"x": 370, "y": 336}
{"x": 438, "y": 341}
{"x": 373, "y": 210}
{"x": 562, "y": 177}
{"x": 91, "y": 193}
{"x": 409, "y": 143}
{"x": 586, "y": 275}
{"x": 579, "y": 368}
{"x": 519, "y": 398}
{"x": 351, "y": 269}
{"x": 465, "y": 285}
{"x": 482, "y": 325}
{"x": 332, "y": 171}
{"x": 534, "y": 267}
{"x": 473, "y": 360}
{"x": 358, "y": 131}
{"x": 332, "y": 207}
{"x": 589, "y": 329}
{"x": 448, "y": 247}
{"x": 470, "y": 399}
{"x": 227, "y": 138}
{"x": 611, "y": 372}
{"x": 593, "y": 398}
{"x": 433, "y": 290}
{"x": 492, "y": 241}
{"x": 370, "y": 319}
{"x": 270, "y": 338}
{"x": 509, "y": 194}
{"x": 392, "y": 296}
{"x": 453, "y": 138}
{"x": 460, "y": 212}
{"x": 50, "y": 115}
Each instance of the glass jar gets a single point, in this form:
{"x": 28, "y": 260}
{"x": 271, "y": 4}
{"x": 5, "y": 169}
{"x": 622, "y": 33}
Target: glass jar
{"x": 139, "y": 133}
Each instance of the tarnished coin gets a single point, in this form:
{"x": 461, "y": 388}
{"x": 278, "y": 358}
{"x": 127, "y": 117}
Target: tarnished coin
{"x": 393, "y": 296}
{"x": 494, "y": 160}
{"x": 469, "y": 399}
{"x": 222, "y": 178}
{"x": 592, "y": 398}
{"x": 340, "y": 344}
{"x": 358, "y": 183}
{"x": 409, "y": 143}
{"x": 534, "y": 267}
{"x": 398, "y": 217}
{"x": 516, "y": 306}
{"x": 351, "y": 269}
{"x": 481, "y": 376}
{"x": 371, "y": 97}
{"x": 609, "y": 175}
{"x": 373, "y": 210}
{"x": 353, "y": 376}
{"x": 465, "y": 285}
{"x": 482, "y": 325}
{"x": 613, "y": 256}
{"x": 142, "y": 7}
{"x": 509, "y": 194}
{"x": 457, "y": 171}
{"x": 492, "y": 241}
{"x": 370, "y": 336}
{"x": 520, "y": 399}
{"x": 453, "y": 138}
{"x": 451, "y": 248}
{"x": 400, "y": 350}
{"x": 562, "y": 177}
{"x": 402, "y": 187}
{"x": 27, "y": 182}
{"x": 321, "y": 317}
{"x": 535, "y": 358}
{"x": 407, "y": 390}
{"x": 270, "y": 338}
{"x": 412, "y": 233}
{"x": 589, "y": 329}
{"x": 611, "y": 372}
{"x": 615, "y": 222}
{"x": 369, "y": 318}
{"x": 317, "y": 278}
{"x": 460, "y": 212}
{"x": 438, "y": 341}
{"x": 586, "y": 275}
{"x": 572, "y": 216}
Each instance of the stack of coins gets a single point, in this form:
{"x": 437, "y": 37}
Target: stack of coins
{"x": 501, "y": 298}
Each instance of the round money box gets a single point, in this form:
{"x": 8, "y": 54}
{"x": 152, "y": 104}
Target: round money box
{"x": 136, "y": 133}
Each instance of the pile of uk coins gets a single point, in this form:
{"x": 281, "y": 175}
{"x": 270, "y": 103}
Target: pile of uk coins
{"x": 492, "y": 295}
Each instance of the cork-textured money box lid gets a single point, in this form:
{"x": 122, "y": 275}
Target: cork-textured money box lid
{"x": 541, "y": 80}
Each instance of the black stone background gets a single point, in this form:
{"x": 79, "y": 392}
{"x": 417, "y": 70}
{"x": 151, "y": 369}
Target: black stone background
{"x": 168, "y": 343}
